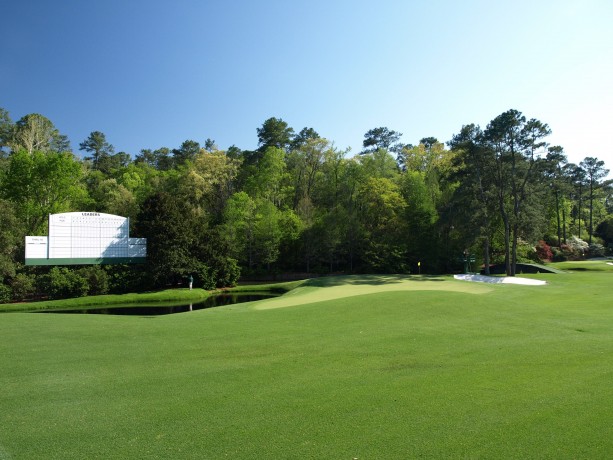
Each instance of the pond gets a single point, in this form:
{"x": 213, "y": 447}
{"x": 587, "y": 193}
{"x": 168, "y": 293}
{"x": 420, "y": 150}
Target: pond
{"x": 165, "y": 308}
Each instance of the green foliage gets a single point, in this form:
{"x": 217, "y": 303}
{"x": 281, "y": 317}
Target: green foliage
{"x": 381, "y": 138}
{"x": 527, "y": 253}
{"x": 239, "y": 227}
{"x": 204, "y": 276}
{"x": 63, "y": 283}
{"x": 207, "y": 182}
{"x": 34, "y": 132}
{"x": 97, "y": 279}
{"x": 99, "y": 149}
{"x": 604, "y": 230}
{"x": 171, "y": 232}
{"x": 23, "y": 286}
{"x": 11, "y": 238}
{"x": 6, "y": 293}
{"x": 379, "y": 163}
{"x": 228, "y": 272}
{"x": 594, "y": 171}
{"x": 298, "y": 204}
{"x": 126, "y": 278}
{"x": 187, "y": 152}
{"x": 275, "y": 133}
{"x": 6, "y": 130}
{"x": 40, "y": 184}
{"x": 381, "y": 210}
{"x": 268, "y": 178}
{"x": 268, "y": 232}
{"x": 596, "y": 250}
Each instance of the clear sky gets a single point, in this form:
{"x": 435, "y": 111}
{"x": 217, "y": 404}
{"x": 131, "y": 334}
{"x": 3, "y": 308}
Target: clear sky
{"x": 154, "y": 73}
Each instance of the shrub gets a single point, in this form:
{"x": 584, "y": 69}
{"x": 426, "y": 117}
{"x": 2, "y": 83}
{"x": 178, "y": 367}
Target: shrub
{"x": 526, "y": 253}
{"x": 5, "y": 293}
{"x": 204, "y": 276}
{"x": 558, "y": 254}
{"x": 596, "y": 250}
{"x": 543, "y": 251}
{"x": 23, "y": 286}
{"x": 229, "y": 273}
{"x": 97, "y": 279}
{"x": 62, "y": 283}
{"x": 577, "y": 246}
{"x": 126, "y": 278}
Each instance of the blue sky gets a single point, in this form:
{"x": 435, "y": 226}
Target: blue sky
{"x": 154, "y": 73}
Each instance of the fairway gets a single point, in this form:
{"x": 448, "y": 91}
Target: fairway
{"x": 367, "y": 367}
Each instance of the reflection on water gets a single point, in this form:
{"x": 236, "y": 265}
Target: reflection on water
{"x": 166, "y": 309}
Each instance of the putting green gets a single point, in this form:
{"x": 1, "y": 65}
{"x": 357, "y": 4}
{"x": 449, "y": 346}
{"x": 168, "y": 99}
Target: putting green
{"x": 350, "y": 286}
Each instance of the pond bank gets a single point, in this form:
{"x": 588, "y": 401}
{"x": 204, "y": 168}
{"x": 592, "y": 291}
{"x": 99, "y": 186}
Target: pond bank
{"x": 180, "y": 295}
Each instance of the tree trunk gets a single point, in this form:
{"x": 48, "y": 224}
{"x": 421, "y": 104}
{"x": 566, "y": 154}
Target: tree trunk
{"x": 564, "y": 223}
{"x": 579, "y": 210}
{"x": 486, "y": 255}
{"x": 558, "y": 218}
{"x": 591, "y": 208}
{"x": 507, "y": 245}
{"x": 515, "y": 237}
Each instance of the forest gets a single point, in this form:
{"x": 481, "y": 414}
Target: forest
{"x": 299, "y": 206}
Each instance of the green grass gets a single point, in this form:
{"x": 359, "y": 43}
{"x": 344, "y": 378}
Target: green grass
{"x": 165, "y": 297}
{"x": 345, "y": 367}
{"x": 160, "y": 297}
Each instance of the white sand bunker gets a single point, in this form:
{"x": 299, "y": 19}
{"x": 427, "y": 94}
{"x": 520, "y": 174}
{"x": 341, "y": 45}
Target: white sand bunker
{"x": 499, "y": 280}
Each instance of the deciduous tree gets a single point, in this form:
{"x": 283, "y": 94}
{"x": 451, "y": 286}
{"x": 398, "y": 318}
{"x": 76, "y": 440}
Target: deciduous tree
{"x": 35, "y": 132}
{"x": 41, "y": 184}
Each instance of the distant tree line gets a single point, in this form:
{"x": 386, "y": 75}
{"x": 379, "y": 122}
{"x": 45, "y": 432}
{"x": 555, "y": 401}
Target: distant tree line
{"x": 299, "y": 205}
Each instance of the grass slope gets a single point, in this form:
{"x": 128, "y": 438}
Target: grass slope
{"x": 167, "y": 297}
{"x": 454, "y": 370}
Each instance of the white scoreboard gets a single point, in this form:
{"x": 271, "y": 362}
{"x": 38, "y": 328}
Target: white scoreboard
{"x": 85, "y": 238}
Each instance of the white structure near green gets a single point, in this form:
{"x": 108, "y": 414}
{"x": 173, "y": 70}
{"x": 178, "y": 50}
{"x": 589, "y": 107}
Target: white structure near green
{"x": 81, "y": 238}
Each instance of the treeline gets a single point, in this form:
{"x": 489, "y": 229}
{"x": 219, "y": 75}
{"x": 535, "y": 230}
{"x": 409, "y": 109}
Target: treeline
{"x": 298, "y": 204}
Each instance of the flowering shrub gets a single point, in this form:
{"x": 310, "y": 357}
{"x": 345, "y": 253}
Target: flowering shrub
{"x": 526, "y": 253}
{"x": 574, "y": 249}
{"x": 577, "y": 245}
{"x": 596, "y": 250}
{"x": 544, "y": 251}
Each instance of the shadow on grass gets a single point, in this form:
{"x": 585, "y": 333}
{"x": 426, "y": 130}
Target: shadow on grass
{"x": 373, "y": 280}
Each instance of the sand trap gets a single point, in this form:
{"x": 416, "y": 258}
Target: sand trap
{"x": 609, "y": 263}
{"x": 499, "y": 280}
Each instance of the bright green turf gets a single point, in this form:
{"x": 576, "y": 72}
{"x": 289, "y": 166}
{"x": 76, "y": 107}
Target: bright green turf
{"x": 456, "y": 370}
{"x": 166, "y": 297}
{"x": 160, "y": 297}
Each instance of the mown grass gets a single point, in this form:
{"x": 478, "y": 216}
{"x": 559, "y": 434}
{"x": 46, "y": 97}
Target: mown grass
{"x": 440, "y": 371}
{"x": 160, "y": 297}
{"x": 165, "y": 297}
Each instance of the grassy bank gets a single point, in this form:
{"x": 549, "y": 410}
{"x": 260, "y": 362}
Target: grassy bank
{"x": 344, "y": 367}
{"x": 166, "y": 297}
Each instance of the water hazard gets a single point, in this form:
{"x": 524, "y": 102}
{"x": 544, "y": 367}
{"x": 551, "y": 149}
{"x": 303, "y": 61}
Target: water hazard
{"x": 165, "y": 309}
